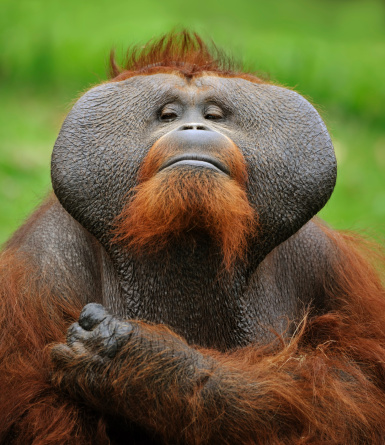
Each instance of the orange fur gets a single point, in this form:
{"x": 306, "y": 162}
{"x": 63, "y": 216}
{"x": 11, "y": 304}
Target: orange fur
{"x": 325, "y": 386}
{"x": 171, "y": 205}
{"x": 32, "y": 411}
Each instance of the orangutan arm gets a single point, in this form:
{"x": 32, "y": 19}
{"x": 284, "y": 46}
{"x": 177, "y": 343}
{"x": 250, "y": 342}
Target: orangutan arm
{"x": 152, "y": 377}
{"x": 40, "y": 296}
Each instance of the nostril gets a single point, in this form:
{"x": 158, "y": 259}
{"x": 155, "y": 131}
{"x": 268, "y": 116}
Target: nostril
{"x": 193, "y": 127}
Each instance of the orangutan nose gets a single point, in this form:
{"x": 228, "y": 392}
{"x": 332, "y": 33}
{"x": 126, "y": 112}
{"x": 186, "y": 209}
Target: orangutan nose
{"x": 193, "y": 126}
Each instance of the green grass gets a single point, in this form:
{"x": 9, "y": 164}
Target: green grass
{"x": 331, "y": 51}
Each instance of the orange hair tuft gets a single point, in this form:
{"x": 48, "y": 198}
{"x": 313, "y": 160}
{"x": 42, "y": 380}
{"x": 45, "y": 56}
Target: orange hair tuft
{"x": 182, "y": 52}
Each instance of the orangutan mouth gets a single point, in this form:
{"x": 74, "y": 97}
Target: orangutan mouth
{"x": 196, "y": 160}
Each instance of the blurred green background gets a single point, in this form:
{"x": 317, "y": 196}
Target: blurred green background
{"x": 331, "y": 51}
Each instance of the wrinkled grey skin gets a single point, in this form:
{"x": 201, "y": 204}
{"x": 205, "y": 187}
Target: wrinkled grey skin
{"x": 292, "y": 171}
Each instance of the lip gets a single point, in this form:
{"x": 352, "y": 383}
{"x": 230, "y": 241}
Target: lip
{"x": 196, "y": 160}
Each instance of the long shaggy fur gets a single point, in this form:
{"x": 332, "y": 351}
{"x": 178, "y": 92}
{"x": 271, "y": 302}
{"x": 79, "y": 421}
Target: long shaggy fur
{"x": 31, "y": 318}
{"x": 174, "y": 204}
{"x": 325, "y": 386}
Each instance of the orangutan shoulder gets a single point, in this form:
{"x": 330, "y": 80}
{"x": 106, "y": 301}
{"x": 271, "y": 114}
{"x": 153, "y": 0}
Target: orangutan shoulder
{"x": 299, "y": 264}
{"x": 59, "y": 249}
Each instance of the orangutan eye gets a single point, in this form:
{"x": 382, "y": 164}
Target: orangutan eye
{"x": 212, "y": 116}
{"x": 168, "y": 117}
{"x": 167, "y": 114}
{"x": 213, "y": 113}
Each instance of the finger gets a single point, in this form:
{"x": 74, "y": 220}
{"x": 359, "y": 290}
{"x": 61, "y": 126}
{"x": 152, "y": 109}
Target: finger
{"x": 120, "y": 334}
{"x": 61, "y": 355}
{"x": 91, "y": 315}
{"x": 76, "y": 333}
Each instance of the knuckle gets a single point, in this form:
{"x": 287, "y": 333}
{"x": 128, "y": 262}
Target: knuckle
{"x": 92, "y": 315}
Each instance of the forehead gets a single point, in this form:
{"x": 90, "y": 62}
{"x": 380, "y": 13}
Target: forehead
{"x": 201, "y": 87}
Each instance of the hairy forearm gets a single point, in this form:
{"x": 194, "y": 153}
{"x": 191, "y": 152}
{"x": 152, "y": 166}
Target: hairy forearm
{"x": 148, "y": 375}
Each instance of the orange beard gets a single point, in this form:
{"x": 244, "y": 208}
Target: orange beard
{"x": 177, "y": 202}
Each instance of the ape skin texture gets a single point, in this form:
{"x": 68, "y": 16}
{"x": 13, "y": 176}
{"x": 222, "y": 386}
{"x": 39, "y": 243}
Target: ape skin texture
{"x": 177, "y": 287}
